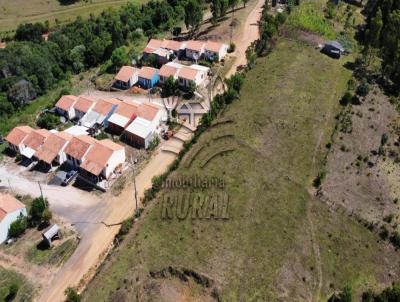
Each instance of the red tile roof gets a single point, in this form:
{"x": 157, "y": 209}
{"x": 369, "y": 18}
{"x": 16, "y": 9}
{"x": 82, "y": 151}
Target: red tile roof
{"x": 147, "y": 72}
{"x": 52, "y": 146}
{"x": 187, "y": 73}
{"x": 127, "y": 110}
{"x": 103, "y": 107}
{"x": 9, "y": 204}
{"x": 18, "y": 134}
{"x": 171, "y": 44}
{"x": 167, "y": 71}
{"x": 148, "y": 111}
{"x": 195, "y": 45}
{"x": 154, "y": 43}
{"x": 66, "y": 102}
{"x": 78, "y": 146}
{"x": 36, "y": 138}
{"x": 125, "y": 73}
{"x": 84, "y": 103}
{"x": 213, "y": 46}
{"x": 98, "y": 157}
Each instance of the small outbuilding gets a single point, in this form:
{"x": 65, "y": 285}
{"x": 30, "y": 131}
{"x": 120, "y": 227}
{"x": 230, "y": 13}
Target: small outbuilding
{"x": 51, "y": 233}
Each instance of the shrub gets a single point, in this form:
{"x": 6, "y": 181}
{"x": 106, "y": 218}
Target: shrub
{"x": 125, "y": 226}
{"x": 346, "y": 99}
{"x": 363, "y": 89}
{"x": 72, "y": 295}
{"x": 18, "y": 227}
{"x": 48, "y": 121}
{"x": 232, "y": 47}
{"x": 37, "y": 208}
{"x": 154, "y": 143}
{"x": 12, "y": 292}
{"x": 318, "y": 180}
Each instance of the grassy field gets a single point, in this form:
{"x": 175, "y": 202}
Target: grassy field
{"x": 279, "y": 243}
{"x": 15, "y": 12}
{"x": 7, "y": 278}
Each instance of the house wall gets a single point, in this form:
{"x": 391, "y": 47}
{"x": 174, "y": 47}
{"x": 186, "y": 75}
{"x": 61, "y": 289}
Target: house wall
{"x": 137, "y": 141}
{"x": 6, "y": 222}
{"x": 190, "y": 53}
{"x": 115, "y": 129}
{"x": 105, "y": 121}
{"x": 79, "y": 114}
{"x": 73, "y": 161}
{"x": 116, "y": 159}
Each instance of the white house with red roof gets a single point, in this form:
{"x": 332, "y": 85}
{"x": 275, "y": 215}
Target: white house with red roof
{"x": 52, "y": 151}
{"x": 102, "y": 160}
{"x": 65, "y": 106}
{"x": 141, "y": 131}
{"x": 83, "y": 105}
{"x": 196, "y": 74}
{"x": 122, "y": 117}
{"x": 16, "y": 137}
{"x": 34, "y": 140}
{"x": 215, "y": 50}
{"x": 126, "y": 77}
{"x": 77, "y": 149}
{"x": 195, "y": 49}
{"x": 10, "y": 210}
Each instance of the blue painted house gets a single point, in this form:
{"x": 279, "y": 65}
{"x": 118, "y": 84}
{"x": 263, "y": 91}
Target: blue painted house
{"x": 148, "y": 77}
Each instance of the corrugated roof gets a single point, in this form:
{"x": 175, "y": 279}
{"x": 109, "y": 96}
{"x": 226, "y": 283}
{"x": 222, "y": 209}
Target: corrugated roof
{"x": 125, "y": 73}
{"x": 66, "y": 102}
{"x": 18, "y": 134}
{"x": 79, "y": 145}
{"x": 140, "y": 127}
{"x": 147, "y": 72}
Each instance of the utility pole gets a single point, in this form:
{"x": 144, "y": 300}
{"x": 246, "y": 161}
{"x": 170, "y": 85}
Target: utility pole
{"x": 40, "y": 188}
{"x": 132, "y": 166}
{"x": 9, "y": 184}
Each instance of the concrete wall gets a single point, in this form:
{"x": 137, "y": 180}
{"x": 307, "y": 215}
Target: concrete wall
{"x": 117, "y": 158}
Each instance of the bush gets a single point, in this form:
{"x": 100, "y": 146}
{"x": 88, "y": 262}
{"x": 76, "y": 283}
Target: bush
{"x": 232, "y": 47}
{"x": 346, "y": 99}
{"x": 39, "y": 205}
{"x": 72, "y": 295}
{"x": 154, "y": 143}
{"x": 48, "y": 121}
{"x": 18, "y": 227}
{"x": 12, "y": 292}
{"x": 125, "y": 227}
{"x": 363, "y": 89}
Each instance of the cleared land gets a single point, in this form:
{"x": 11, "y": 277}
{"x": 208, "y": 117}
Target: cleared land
{"x": 279, "y": 243}
{"x": 12, "y": 13}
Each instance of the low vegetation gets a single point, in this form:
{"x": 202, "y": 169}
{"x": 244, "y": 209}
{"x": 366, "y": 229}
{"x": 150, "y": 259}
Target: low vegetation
{"x": 14, "y": 287}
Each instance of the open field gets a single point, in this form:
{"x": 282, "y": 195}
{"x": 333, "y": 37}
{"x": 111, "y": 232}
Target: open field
{"x": 280, "y": 243}
{"x": 15, "y": 12}
{"x": 8, "y": 278}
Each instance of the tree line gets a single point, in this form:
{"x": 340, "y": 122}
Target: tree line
{"x": 30, "y": 66}
{"x": 381, "y": 37}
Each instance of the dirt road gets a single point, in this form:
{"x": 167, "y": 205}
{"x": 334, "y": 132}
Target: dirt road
{"x": 246, "y": 36}
{"x": 98, "y": 238}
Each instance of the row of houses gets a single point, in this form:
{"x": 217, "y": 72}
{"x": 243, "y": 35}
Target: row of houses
{"x": 95, "y": 159}
{"x": 148, "y": 77}
{"x": 136, "y": 122}
{"x": 193, "y": 50}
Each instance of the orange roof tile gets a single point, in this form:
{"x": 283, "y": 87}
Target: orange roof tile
{"x": 79, "y": 145}
{"x": 148, "y": 111}
{"x": 171, "y": 44}
{"x": 36, "y": 138}
{"x": 18, "y": 134}
{"x": 154, "y": 43}
{"x": 51, "y": 147}
{"x": 127, "y": 110}
{"x": 103, "y": 107}
{"x": 195, "y": 45}
{"x": 167, "y": 71}
{"x": 84, "y": 103}
{"x": 98, "y": 157}
{"x": 3, "y": 45}
{"x": 213, "y": 46}
{"x": 147, "y": 72}
{"x": 66, "y": 102}
{"x": 187, "y": 73}
{"x": 125, "y": 73}
{"x": 9, "y": 204}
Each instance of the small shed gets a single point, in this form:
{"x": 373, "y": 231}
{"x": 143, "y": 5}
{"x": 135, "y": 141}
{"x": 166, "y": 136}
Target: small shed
{"x": 51, "y": 233}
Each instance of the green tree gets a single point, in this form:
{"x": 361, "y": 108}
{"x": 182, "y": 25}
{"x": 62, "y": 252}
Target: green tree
{"x": 372, "y": 35}
{"x": 71, "y": 295}
{"x": 18, "y": 227}
{"x": 119, "y": 57}
{"x": 47, "y": 216}
{"x": 171, "y": 87}
{"x": 232, "y": 5}
{"x": 77, "y": 58}
{"x": 12, "y": 292}
{"x": 193, "y": 15}
{"x": 37, "y": 208}
{"x": 48, "y": 121}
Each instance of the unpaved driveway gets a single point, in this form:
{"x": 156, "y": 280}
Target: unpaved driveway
{"x": 247, "y": 36}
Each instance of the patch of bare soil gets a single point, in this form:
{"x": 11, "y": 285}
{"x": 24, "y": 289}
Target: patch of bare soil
{"x": 309, "y": 38}
{"x": 363, "y": 171}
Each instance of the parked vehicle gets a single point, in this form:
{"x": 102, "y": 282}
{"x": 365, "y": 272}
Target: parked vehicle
{"x": 69, "y": 177}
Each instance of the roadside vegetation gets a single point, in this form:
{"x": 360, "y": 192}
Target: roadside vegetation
{"x": 14, "y": 287}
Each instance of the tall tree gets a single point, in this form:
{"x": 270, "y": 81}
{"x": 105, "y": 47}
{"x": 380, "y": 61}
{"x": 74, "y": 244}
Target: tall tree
{"x": 193, "y": 15}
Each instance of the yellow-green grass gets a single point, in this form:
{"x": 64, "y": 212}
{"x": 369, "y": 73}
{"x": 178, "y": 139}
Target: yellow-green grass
{"x": 8, "y": 278}
{"x": 12, "y": 13}
{"x": 52, "y": 256}
{"x": 309, "y": 16}
{"x": 265, "y": 251}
